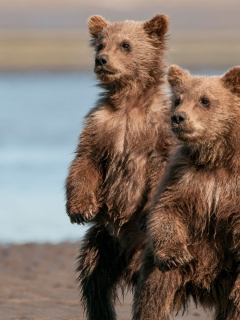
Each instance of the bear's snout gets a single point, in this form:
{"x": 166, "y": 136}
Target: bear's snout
{"x": 101, "y": 60}
{"x": 178, "y": 118}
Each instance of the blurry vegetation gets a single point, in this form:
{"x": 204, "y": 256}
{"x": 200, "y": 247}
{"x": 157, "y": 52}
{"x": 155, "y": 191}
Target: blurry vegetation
{"x": 69, "y": 50}
{"x": 204, "y": 49}
{"x": 44, "y": 50}
{"x": 52, "y": 35}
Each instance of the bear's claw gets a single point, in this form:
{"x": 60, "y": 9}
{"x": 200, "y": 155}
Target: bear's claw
{"x": 176, "y": 260}
{"x": 84, "y": 211}
{"x": 80, "y": 218}
{"x": 76, "y": 218}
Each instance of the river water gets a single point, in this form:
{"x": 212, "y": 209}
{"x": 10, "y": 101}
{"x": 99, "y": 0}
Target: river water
{"x": 40, "y": 120}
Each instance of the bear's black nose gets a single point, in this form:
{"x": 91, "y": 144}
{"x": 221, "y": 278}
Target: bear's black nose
{"x": 101, "y": 60}
{"x": 179, "y": 117}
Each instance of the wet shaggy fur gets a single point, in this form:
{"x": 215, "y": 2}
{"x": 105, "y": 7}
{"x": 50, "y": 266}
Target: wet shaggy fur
{"x": 120, "y": 157}
{"x": 194, "y": 223}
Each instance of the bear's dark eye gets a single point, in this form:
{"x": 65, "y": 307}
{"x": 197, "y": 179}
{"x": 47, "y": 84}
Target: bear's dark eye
{"x": 126, "y": 46}
{"x": 177, "y": 102}
{"x": 205, "y": 102}
{"x": 99, "y": 47}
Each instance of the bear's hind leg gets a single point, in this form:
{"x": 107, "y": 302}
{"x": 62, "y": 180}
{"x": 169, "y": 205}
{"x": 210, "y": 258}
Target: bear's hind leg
{"x": 157, "y": 294}
{"x": 226, "y": 296}
{"x": 231, "y": 312}
{"x": 100, "y": 267}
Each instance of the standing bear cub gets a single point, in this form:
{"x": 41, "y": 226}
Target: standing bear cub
{"x": 120, "y": 157}
{"x": 194, "y": 223}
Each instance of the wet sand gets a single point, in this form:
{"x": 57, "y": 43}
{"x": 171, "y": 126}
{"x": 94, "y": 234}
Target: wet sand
{"x": 38, "y": 282}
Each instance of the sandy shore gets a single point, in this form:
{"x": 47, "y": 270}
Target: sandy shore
{"x": 38, "y": 282}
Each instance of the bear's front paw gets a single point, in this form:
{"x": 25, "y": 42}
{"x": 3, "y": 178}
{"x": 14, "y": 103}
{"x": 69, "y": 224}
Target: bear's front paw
{"x": 172, "y": 258}
{"x": 82, "y": 211}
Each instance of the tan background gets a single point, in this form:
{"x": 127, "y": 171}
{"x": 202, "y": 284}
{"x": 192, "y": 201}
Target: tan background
{"x": 52, "y": 34}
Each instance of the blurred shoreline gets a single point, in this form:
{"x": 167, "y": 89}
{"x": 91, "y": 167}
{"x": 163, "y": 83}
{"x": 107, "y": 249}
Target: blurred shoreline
{"x": 68, "y": 50}
{"x": 51, "y": 35}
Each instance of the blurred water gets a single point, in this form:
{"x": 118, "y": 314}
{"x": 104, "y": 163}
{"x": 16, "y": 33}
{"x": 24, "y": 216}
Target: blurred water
{"x": 40, "y": 119}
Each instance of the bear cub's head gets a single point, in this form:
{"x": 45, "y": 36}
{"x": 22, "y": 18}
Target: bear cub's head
{"x": 204, "y": 109}
{"x": 128, "y": 51}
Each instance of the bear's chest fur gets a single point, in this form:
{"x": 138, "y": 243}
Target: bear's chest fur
{"x": 131, "y": 139}
{"x": 209, "y": 198}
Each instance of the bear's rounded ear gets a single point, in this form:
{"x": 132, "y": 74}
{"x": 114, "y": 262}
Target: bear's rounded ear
{"x": 231, "y": 80}
{"x": 157, "y": 26}
{"x": 176, "y": 76}
{"x": 96, "y": 24}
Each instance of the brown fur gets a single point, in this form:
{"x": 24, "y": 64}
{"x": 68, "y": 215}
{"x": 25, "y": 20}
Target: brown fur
{"x": 194, "y": 223}
{"x": 120, "y": 157}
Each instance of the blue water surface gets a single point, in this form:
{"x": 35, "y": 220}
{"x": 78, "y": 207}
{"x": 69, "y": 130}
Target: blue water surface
{"x": 40, "y": 120}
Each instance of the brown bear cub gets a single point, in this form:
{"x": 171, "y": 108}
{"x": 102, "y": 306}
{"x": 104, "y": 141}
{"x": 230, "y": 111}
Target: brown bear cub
{"x": 194, "y": 223}
{"x": 120, "y": 157}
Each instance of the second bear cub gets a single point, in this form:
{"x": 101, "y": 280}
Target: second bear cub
{"x": 194, "y": 225}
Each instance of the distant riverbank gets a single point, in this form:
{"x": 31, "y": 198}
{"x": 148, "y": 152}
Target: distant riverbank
{"x": 68, "y": 50}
